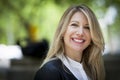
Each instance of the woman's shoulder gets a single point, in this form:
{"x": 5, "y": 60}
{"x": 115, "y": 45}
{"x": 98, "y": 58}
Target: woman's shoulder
{"x": 54, "y": 70}
{"x": 52, "y": 64}
{"x": 49, "y": 71}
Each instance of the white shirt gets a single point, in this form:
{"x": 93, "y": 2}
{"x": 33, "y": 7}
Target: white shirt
{"x": 75, "y": 67}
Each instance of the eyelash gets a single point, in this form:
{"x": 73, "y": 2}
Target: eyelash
{"x": 86, "y": 27}
{"x": 74, "y": 25}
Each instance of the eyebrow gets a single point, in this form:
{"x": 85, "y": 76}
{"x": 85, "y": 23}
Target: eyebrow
{"x": 74, "y": 21}
{"x": 87, "y": 24}
{"x": 78, "y": 22}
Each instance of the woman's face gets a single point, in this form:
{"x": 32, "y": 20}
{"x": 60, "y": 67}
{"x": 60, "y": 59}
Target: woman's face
{"x": 77, "y": 36}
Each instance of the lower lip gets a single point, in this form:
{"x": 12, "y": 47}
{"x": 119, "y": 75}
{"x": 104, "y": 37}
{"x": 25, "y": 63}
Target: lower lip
{"x": 78, "y": 42}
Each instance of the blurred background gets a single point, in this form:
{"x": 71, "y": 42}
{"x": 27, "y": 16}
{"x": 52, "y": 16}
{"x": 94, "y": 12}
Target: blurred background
{"x": 27, "y": 28}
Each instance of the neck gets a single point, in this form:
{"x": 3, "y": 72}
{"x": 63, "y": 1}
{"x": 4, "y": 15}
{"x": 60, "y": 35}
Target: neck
{"x": 74, "y": 55}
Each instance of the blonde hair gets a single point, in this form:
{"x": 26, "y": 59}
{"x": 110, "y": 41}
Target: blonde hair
{"x": 92, "y": 55}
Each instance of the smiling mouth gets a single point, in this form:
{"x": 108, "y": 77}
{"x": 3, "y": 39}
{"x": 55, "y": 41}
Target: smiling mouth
{"x": 78, "y": 40}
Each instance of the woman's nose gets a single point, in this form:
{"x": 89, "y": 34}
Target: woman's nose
{"x": 80, "y": 31}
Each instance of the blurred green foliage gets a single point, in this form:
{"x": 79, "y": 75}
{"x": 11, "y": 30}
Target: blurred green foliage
{"x": 16, "y": 16}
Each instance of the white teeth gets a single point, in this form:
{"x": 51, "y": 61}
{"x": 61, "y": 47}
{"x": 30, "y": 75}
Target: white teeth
{"x": 77, "y": 40}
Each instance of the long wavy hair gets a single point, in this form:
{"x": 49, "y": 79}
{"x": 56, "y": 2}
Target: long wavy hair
{"x": 92, "y": 56}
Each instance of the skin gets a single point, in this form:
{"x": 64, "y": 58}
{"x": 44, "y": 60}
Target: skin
{"x": 77, "y": 36}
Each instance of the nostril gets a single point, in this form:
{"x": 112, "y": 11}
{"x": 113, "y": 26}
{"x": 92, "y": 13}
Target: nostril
{"x": 79, "y": 32}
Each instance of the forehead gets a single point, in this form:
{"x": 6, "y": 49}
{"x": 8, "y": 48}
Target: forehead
{"x": 79, "y": 16}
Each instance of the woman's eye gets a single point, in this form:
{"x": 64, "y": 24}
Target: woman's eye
{"x": 87, "y": 27}
{"x": 74, "y": 25}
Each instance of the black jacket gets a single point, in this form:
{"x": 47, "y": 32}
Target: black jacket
{"x": 54, "y": 70}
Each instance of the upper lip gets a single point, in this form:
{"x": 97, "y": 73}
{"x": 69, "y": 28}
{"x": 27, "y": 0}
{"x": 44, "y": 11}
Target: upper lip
{"x": 79, "y": 39}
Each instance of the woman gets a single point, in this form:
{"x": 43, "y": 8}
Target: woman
{"x": 76, "y": 52}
